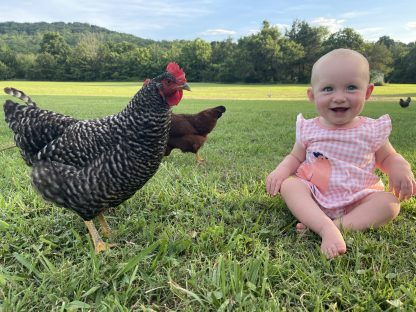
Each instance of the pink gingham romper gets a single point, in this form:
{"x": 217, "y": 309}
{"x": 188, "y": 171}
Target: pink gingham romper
{"x": 340, "y": 163}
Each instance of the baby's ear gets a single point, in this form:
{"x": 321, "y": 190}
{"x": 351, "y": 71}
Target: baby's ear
{"x": 370, "y": 89}
{"x": 311, "y": 96}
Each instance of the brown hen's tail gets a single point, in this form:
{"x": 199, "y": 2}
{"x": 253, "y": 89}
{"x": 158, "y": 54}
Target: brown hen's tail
{"x": 20, "y": 95}
{"x": 220, "y": 110}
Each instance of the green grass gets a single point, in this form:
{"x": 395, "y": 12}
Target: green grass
{"x": 207, "y": 91}
{"x": 201, "y": 238}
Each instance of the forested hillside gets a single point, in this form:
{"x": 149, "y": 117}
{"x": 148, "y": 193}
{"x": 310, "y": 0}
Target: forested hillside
{"x": 27, "y": 37}
{"x": 82, "y": 52}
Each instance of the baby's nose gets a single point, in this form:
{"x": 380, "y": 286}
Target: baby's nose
{"x": 339, "y": 97}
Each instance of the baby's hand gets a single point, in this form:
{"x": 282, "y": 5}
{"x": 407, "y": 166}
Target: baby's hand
{"x": 274, "y": 181}
{"x": 402, "y": 183}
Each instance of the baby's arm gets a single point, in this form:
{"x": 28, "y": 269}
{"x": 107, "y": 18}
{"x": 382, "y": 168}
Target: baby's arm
{"x": 287, "y": 167}
{"x": 401, "y": 179}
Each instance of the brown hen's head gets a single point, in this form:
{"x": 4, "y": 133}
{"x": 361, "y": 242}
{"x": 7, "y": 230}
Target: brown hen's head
{"x": 172, "y": 84}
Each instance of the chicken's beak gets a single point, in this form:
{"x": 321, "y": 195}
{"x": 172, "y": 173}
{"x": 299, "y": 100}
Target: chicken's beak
{"x": 186, "y": 87}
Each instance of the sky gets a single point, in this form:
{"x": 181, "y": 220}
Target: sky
{"x": 217, "y": 20}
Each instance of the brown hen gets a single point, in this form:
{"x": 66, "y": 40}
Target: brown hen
{"x": 188, "y": 132}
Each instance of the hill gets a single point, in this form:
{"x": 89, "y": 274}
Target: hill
{"x": 26, "y": 37}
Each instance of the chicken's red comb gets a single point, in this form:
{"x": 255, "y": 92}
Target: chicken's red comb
{"x": 176, "y": 71}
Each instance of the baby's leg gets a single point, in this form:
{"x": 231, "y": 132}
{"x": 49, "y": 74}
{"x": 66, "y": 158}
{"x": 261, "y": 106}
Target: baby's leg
{"x": 374, "y": 211}
{"x": 300, "y": 202}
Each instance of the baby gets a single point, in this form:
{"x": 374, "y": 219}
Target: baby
{"x": 328, "y": 180}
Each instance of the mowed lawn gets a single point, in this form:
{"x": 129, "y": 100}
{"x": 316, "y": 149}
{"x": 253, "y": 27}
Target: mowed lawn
{"x": 201, "y": 237}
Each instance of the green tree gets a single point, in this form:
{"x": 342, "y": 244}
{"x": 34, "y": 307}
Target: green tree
{"x": 387, "y": 41}
{"x": 161, "y": 54}
{"x": 112, "y": 58}
{"x": 137, "y": 64}
{"x": 4, "y": 71}
{"x": 8, "y": 61}
{"x": 346, "y": 38}
{"x": 24, "y": 65}
{"x": 44, "y": 67}
{"x": 310, "y": 39}
{"x": 408, "y": 66}
{"x": 223, "y": 62}
{"x": 292, "y": 53}
{"x": 83, "y": 60}
{"x": 195, "y": 58}
{"x": 259, "y": 55}
{"x": 380, "y": 59}
{"x": 399, "y": 52}
{"x": 53, "y": 45}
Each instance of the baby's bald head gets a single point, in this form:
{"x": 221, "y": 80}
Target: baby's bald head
{"x": 339, "y": 57}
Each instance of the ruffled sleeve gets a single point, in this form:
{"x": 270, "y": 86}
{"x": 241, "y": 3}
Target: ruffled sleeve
{"x": 382, "y": 127}
{"x": 300, "y": 122}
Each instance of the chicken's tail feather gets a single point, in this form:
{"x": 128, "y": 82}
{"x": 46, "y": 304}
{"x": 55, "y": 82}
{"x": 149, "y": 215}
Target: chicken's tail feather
{"x": 20, "y": 95}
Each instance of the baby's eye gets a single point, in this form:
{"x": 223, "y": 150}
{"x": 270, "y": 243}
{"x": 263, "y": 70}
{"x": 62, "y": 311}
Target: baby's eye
{"x": 327, "y": 89}
{"x": 351, "y": 88}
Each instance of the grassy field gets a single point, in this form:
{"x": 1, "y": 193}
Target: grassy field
{"x": 200, "y": 91}
{"x": 201, "y": 237}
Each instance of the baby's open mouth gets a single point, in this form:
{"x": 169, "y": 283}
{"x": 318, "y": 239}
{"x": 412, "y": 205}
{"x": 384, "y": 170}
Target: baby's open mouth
{"x": 339, "y": 109}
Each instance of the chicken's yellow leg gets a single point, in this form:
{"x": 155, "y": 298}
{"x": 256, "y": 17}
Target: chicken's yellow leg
{"x": 99, "y": 245}
{"x": 104, "y": 225}
{"x": 199, "y": 159}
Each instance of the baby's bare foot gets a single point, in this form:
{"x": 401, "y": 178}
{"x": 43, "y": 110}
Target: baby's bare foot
{"x": 333, "y": 243}
{"x": 301, "y": 228}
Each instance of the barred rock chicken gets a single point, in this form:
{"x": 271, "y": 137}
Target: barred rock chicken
{"x": 92, "y": 165}
{"x": 405, "y": 103}
{"x": 188, "y": 132}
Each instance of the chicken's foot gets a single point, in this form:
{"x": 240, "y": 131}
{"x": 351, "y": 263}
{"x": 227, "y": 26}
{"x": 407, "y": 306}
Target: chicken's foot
{"x": 104, "y": 225}
{"x": 199, "y": 159}
{"x": 99, "y": 244}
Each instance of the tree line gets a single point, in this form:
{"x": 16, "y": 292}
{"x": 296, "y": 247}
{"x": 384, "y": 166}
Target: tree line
{"x": 268, "y": 56}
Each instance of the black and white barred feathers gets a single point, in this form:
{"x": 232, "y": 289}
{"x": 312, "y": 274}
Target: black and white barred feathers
{"x": 90, "y": 165}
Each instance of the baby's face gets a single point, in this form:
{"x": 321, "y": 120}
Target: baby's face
{"x": 339, "y": 89}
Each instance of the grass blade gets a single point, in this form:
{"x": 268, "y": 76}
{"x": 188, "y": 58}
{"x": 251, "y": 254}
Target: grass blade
{"x": 186, "y": 291}
{"x": 135, "y": 260}
{"x": 23, "y": 261}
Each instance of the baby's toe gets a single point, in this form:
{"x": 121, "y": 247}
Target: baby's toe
{"x": 301, "y": 228}
{"x": 331, "y": 252}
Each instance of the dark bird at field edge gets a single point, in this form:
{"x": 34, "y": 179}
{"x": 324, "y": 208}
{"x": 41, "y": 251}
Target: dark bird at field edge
{"x": 405, "y": 103}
